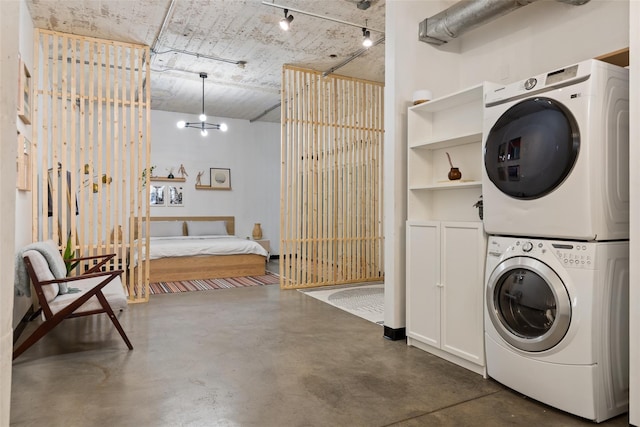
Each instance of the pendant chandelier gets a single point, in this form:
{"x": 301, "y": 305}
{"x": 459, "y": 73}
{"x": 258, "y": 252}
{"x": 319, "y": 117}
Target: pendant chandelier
{"x": 202, "y": 124}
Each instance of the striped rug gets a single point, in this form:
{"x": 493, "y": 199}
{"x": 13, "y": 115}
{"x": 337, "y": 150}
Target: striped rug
{"x": 212, "y": 284}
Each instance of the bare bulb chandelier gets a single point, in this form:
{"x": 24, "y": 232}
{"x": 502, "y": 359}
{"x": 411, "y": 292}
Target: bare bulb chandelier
{"x": 202, "y": 124}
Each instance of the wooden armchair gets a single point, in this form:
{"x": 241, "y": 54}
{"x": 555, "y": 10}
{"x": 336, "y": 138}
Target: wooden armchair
{"x": 93, "y": 292}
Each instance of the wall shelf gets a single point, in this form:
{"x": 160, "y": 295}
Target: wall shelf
{"x": 208, "y": 187}
{"x": 162, "y": 178}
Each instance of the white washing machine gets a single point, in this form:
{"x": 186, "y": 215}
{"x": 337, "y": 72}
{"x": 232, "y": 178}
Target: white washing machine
{"x": 556, "y": 155}
{"x": 557, "y": 322}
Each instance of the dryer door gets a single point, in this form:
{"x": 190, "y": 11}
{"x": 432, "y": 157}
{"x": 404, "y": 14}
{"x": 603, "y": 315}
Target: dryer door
{"x": 528, "y": 304}
{"x": 531, "y": 148}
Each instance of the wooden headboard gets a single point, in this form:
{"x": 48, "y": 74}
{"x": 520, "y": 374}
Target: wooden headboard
{"x": 230, "y": 220}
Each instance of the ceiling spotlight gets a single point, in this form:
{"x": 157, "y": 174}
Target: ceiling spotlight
{"x": 285, "y": 23}
{"x": 202, "y": 125}
{"x": 363, "y": 4}
{"x": 367, "y": 42}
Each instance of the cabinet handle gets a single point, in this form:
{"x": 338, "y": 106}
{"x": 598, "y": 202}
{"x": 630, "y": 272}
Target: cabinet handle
{"x": 440, "y": 285}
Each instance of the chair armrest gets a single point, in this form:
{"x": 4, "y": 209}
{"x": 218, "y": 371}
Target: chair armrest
{"x": 105, "y": 258}
{"x": 82, "y": 277}
{"x": 108, "y": 256}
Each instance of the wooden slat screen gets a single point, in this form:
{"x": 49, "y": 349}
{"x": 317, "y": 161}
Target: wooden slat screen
{"x": 331, "y": 194}
{"x": 91, "y": 133}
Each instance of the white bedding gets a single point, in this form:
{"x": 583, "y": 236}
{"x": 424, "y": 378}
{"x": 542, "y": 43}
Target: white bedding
{"x": 163, "y": 247}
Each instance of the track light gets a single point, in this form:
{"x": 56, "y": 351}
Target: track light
{"x": 367, "y": 42}
{"x": 203, "y": 125}
{"x": 285, "y": 23}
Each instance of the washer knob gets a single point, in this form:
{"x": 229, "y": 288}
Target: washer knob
{"x": 527, "y": 246}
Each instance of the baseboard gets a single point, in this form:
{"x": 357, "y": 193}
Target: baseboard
{"x": 395, "y": 334}
{"x": 17, "y": 331}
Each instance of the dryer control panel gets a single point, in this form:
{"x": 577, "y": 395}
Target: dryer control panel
{"x": 540, "y": 83}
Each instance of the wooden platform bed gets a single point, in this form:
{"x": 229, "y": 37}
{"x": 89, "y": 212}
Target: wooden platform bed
{"x": 173, "y": 269}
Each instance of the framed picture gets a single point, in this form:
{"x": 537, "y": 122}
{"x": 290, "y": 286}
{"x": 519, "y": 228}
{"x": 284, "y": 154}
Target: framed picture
{"x": 24, "y": 93}
{"x": 23, "y": 164}
{"x": 175, "y": 196}
{"x": 221, "y": 179}
{"x": 156, "y": 195}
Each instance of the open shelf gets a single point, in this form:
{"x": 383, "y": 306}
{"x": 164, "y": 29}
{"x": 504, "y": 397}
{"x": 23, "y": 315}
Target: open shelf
{"x": 448, "y": 185}
{"x": 435, "y": 144}
{"x": 208, "y": 187}
{"x": 163, "y": 178}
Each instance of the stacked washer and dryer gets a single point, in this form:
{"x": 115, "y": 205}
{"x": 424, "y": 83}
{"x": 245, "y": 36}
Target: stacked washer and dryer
{"x": 556, "y": 207}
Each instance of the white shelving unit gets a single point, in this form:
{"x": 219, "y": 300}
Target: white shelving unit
{"x": 452, "y": 124}
{"x": 446, "y": 245}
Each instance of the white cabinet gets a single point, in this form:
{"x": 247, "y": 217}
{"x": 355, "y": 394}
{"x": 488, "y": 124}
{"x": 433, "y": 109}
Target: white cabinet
{"x": 446, "y": 244}
{"x": 445, "y": 269}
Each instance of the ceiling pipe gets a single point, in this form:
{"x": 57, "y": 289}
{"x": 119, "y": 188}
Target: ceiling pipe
{"x": 265, "y": 112}
{"x": 467, "y": 15}
{"x": 162, "y": 28}
{"x": 352, "y": 57}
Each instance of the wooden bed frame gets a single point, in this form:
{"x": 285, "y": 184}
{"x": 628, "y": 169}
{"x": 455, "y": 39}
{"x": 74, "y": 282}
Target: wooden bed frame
{"x": 175, "y": 269}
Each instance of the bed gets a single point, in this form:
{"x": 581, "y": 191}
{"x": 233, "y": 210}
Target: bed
{"x": 191, "y": 248}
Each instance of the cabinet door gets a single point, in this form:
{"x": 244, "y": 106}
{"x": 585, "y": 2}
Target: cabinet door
{"x": 423, "y": 281}
{"x": 463, "y": 258}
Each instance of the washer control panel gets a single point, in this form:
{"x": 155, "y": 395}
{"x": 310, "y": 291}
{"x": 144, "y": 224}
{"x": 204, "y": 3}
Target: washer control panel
{"x": 570, "y": 254}
{"x": 579, "y": 255}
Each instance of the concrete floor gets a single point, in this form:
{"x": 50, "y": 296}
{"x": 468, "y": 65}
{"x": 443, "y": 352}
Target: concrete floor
{"x": 252, "y": 357}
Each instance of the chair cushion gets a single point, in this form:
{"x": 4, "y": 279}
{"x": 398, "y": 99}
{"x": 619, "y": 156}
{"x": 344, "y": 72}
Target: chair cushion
{"x": 42, "y": 272}
{"x": 113, "y": 291}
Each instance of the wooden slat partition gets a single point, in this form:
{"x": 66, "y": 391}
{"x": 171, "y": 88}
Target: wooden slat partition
{"x": 331, "y": 178}
{"x": 91, "y": 142}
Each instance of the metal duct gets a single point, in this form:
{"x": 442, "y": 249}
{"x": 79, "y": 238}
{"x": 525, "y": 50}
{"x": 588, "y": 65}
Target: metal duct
{"x": 467, "y": 15}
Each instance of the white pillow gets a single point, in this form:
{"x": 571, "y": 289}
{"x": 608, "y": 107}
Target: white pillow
{"x": 165, "y": 228}
{"x": 207, "y": 228}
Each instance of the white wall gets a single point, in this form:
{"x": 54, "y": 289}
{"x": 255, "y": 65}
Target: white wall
{"x": 9, "y": 14}
{"x": 534, "y": 39}
{"x": 407, "y": 68}
{"x": 23, "y": 198}
{"x": 541, "y": 37}
{"x": 250, "y": 150}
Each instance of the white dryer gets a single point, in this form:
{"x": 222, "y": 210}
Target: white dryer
{"x": 557, "y": 322}
{"x": 555, "y": 152}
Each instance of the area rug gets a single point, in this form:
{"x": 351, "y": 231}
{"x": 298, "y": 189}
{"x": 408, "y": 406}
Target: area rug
{"x": 365, "y": 301}
{"x": 212, "y": 284}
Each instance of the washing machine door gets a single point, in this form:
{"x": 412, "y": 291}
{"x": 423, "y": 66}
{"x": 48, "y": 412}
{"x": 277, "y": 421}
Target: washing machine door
{"x": 532, "y": 148}
{"x": 528, "y": 304}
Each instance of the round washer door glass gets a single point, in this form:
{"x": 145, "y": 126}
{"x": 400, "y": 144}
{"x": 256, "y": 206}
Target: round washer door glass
{"x": 528, "y": 304}
{"x": 532, "y": 148}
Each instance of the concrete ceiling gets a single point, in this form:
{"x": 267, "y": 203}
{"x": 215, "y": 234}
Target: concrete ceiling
{"x": 188, "y": 37}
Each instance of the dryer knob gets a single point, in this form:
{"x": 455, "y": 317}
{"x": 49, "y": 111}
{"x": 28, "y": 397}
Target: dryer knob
{"x": 530, "y": 83}
{"x": 527, "y": 246}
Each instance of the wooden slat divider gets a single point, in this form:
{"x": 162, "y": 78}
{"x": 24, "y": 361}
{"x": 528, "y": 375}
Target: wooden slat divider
{"x": 331, "y": 228}
{"x": 92, "y": 141}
